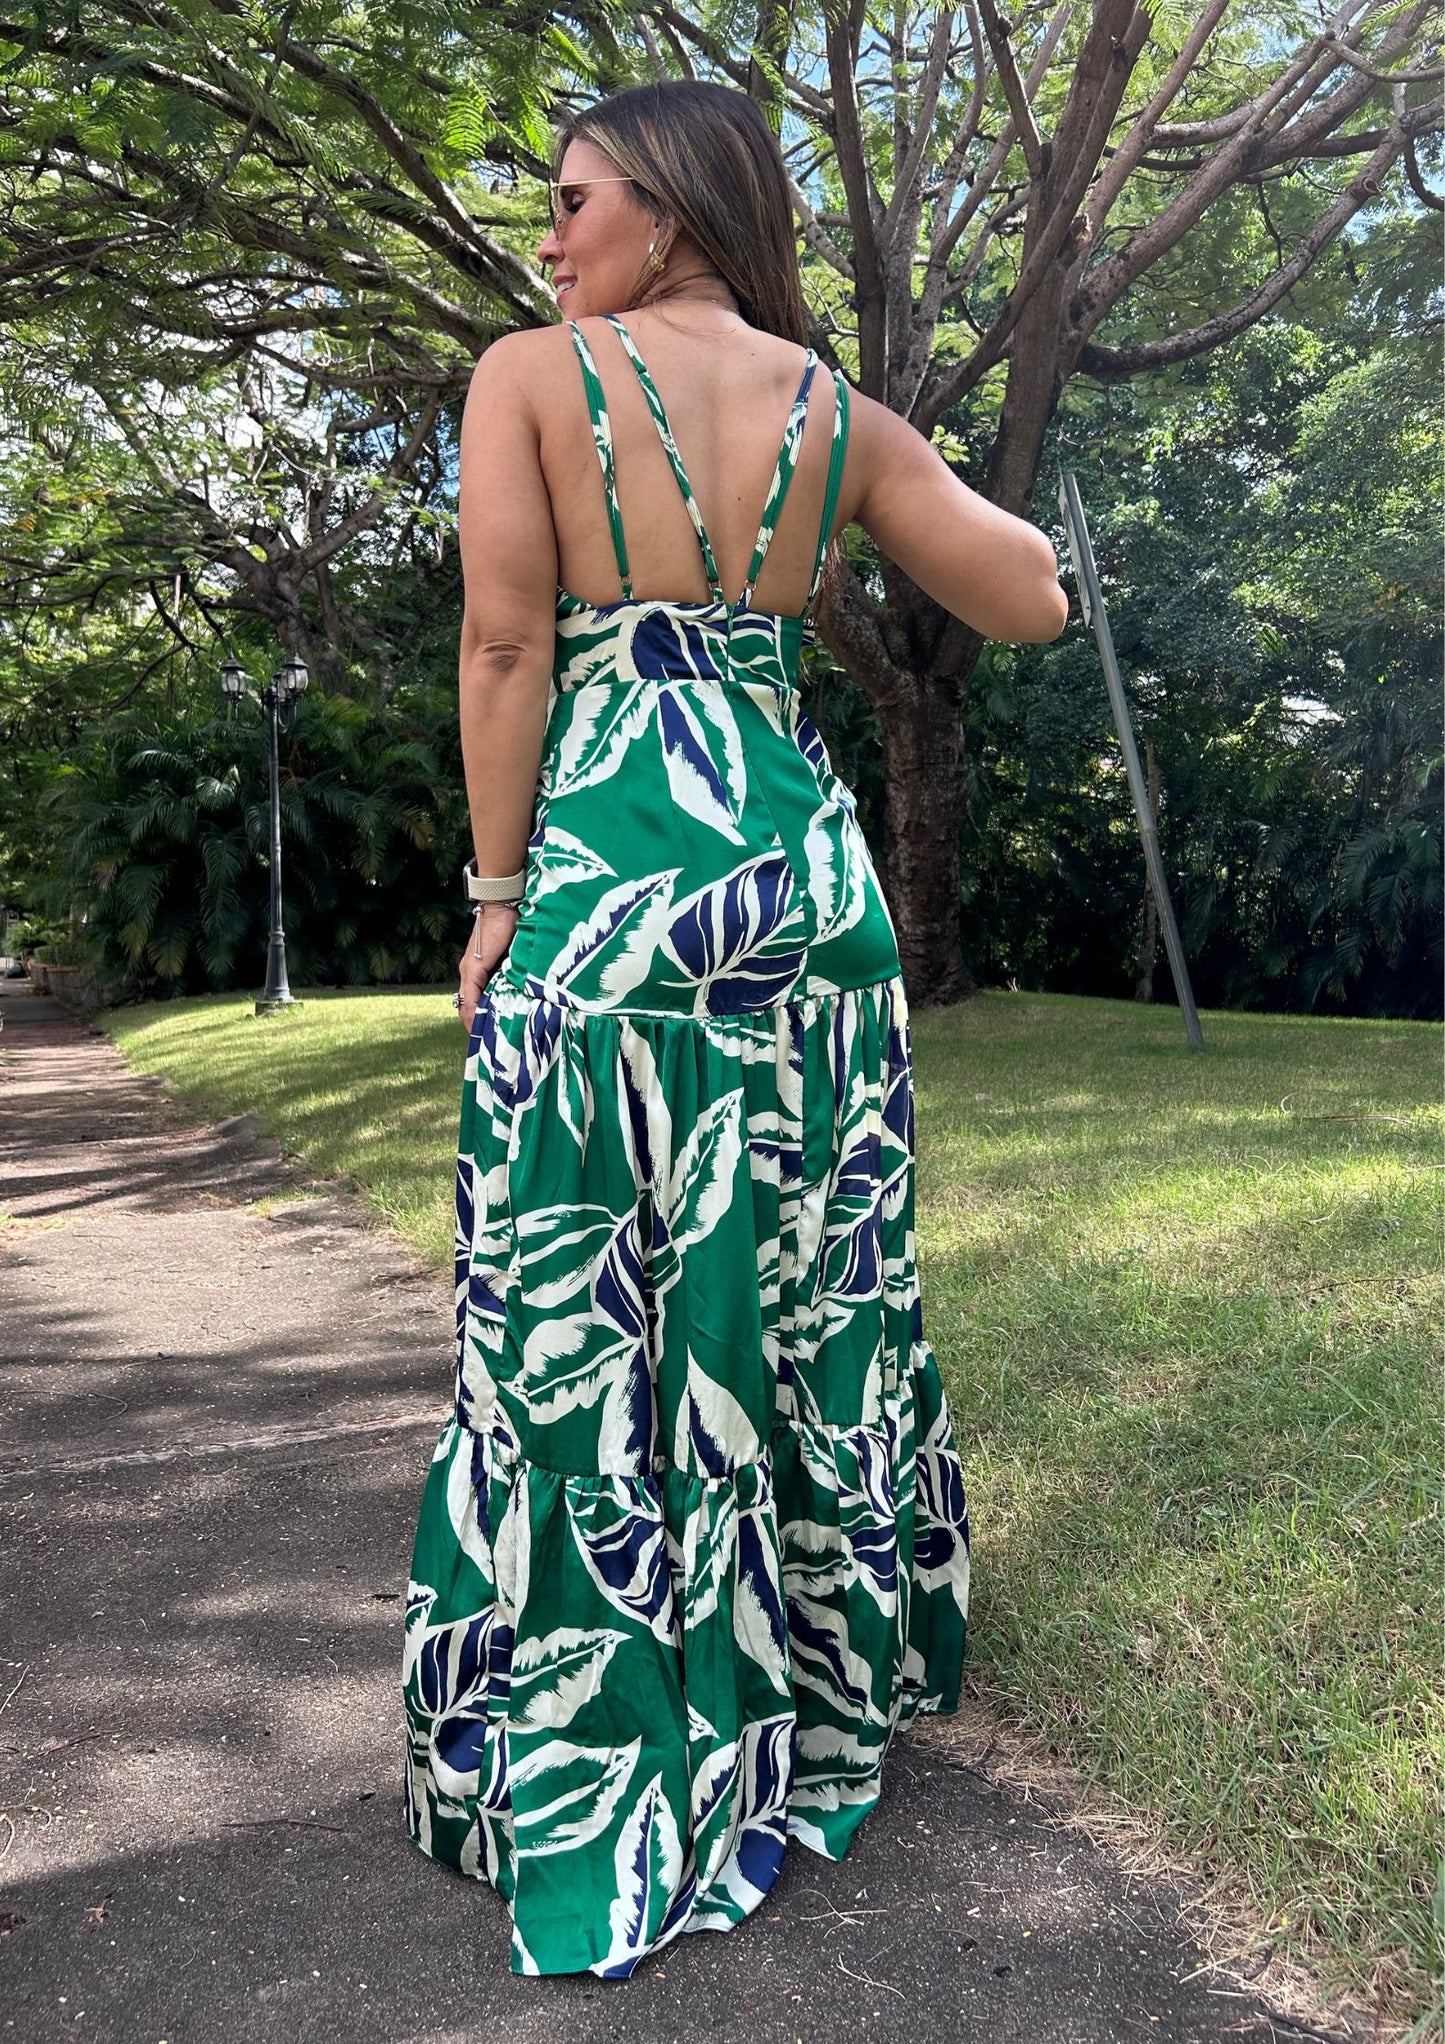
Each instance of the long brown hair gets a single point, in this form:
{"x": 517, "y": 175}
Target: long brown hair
{"x": 704, "y": 156}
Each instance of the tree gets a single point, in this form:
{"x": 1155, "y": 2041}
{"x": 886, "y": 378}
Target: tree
{"x": 1271, "y": 514}
{"x": 191, "y": 191}
{"x": 285, "y": 219}
{"x": 983, "y": 195}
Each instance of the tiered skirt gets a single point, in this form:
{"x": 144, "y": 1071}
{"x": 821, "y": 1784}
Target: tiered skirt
{"x": 693, "y": 1543}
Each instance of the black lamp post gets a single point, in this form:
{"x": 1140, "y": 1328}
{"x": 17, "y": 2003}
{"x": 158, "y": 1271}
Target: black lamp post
{"x": 288, "y": 682}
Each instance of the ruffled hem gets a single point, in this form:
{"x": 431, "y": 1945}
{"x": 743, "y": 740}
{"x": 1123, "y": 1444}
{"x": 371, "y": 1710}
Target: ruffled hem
{"x": 775, "y": 1624}
{"x": 694, "y": 1541}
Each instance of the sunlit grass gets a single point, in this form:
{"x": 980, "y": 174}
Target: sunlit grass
{"x": 1188, "y": 1309}
{"x": 362, "y": 1085}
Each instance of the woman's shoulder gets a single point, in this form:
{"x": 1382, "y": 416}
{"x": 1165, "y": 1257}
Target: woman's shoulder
{"x": 526, "y": 365}
{"x": 539, "y": 350}
{"x": 523, "y": 349}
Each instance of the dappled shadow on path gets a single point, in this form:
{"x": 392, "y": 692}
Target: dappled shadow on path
{"x": 205, "y": 1760}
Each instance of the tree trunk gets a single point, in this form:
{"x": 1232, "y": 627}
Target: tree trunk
{"x": 912, "y": 660}
{"x": 1149, "y": 944}
{"x": 922, "y": 856}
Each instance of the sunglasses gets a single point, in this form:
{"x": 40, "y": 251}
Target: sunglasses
{"x": 555, "y": 191}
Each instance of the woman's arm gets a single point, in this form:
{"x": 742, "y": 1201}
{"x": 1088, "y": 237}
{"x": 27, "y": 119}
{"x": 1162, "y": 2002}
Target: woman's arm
{"x": 509, "y": 571}
{"x": 996, "y": 572}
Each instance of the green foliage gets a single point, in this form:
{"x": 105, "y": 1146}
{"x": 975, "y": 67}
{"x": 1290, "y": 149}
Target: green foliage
{"x": 248, "y": 258}
{"x": 162, "y": 838}
{"x": 1269, "y": 571}
{"x": 46, "y": 940}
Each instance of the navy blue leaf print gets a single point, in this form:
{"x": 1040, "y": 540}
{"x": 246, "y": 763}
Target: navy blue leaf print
{"x": 725, "y": 924}
{"x": 544, "y": 1033}
{"x": 768, "y": 1768}
{"x": 693, "y": 1542}
{"x": 810, "y": 744}
{"x": 625, "y": 1551}
{"x": 667, "y": 646}
{"x": 482, "y": 1296}
{"x": 736, "y": 995}
{"x": 760, "y": 1854}
{"x": 620, "y": 1280}
{"x": 462, "y": 1738}
{"x": 757, "y": 1572}
{"x": 496, "y": 1794}
{"x": 450, "y": 1662}
{"x": 681, "y": 736}
{"x": 466, "y": 1209}
{"x": 819, "y": 1655}
{"x": 861, "y": 1276}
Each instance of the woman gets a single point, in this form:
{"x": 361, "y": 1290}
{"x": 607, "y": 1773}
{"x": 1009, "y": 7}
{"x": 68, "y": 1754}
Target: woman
{"x": 693, "y": 1541}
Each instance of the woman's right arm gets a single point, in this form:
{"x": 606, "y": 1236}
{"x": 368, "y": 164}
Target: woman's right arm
{"x": 996, "y": 572}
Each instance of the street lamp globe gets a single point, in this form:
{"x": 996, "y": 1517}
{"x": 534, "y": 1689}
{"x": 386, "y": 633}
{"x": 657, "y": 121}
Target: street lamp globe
{"x": 233, "y": 679}
{"x": 292, "y": 678}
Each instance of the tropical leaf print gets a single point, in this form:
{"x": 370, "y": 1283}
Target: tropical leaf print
{"x": 597, "y": 737}
{"x": 647, "y": 1866}
{"x": 697, "y": 784}
{"x": 740, "y": 940}
{"x": 699, "y": 1185}
{"x": 611, "y": 952}
{"x": 711, "y": 1426}
{"x": 623, "y": 1548}
{"x": 693, "y": 1543}
{"x": 563, "y": 1795}
{"x": 567, "y": 860}
{"x": 646, "y": 1122}
{"x": 553, "y": 1677}
{"x": 837, "y": 888}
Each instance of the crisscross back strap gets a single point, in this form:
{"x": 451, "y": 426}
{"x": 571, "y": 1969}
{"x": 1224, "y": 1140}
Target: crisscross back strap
{"x": 835, "y": 478}
{"x": 602, "y": 438}
{"x": 659, "y": 418}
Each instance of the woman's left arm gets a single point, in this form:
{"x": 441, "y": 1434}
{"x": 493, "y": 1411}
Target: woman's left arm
{"x": 509, "y": 569}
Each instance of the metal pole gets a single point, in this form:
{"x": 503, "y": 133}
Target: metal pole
{"x": 1091, "y": 597}
{"x": 277, "y": 993}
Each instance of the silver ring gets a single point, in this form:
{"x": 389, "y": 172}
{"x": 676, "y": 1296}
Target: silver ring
{"x": 456, "y": 1000}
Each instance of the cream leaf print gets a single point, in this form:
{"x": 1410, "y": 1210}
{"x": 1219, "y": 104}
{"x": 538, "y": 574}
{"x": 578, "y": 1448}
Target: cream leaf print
{"x": 693, "y": 1542}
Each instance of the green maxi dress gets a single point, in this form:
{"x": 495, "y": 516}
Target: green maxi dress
{"x": 693, "y": 1541}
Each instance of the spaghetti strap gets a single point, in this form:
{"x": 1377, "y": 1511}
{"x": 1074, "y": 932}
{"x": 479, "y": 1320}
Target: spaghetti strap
{"x": 602, "y": 439}
{"x": 782, "y": 477}
{"x": 659, "y": 416}
{"x": 783, "y": 471}
{"x": 835, "y": 479}
{"x": 777, "y": 489}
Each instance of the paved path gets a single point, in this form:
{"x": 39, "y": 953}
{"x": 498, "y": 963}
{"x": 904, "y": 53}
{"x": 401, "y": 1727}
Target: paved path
{"x": 217, "y": 1430}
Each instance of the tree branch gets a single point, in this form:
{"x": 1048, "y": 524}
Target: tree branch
{"x": 817, "y": 235}
{"x": 1181, "y": 347}
{"x": 869, "y": 293}
{"x": 1253, "y": 146}
{"x": 1025, "y": 128}
{"x": 1095, "y": 92}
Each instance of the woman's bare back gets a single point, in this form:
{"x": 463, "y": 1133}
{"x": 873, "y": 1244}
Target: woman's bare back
{"x": 727, "y": 397}
{"x": 727, "y": 400}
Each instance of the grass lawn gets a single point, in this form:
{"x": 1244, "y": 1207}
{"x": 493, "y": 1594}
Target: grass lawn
{"x": 1188, "y": 1308}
